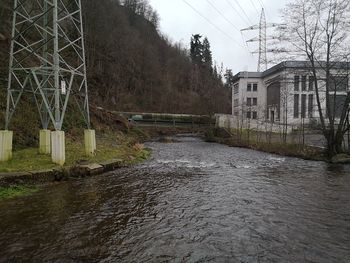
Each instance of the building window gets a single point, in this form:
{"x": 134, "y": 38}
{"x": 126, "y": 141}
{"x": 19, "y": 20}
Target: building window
{"x": 311, "y": 82}
{"x": 252, "y": 101}
{"x": 311, "y": 105}
{"x": 296, "y": 83}
{"x": 252, "y": 87}
{"x": 236, "y": 89}
{"x": 272, "y": 116}
{"x": 303, "y": 105}
{"x": 303, "y": 83}
{"x": 249, "y": 114}
{"x": 249, "y": 102}
{"x": 255, "y": 115}
{"x": 338, "y": 83}
{"x": 249, "y": 87}
{"x": 296, "y": 105}
{"x": 337, "y": 104}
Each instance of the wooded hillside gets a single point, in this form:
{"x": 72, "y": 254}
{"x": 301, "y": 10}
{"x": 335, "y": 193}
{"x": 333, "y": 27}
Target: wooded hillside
{"x": 131, "y": 66}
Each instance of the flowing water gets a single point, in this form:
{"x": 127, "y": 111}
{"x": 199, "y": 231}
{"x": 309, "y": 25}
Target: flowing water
{"x": 192, "y": 202}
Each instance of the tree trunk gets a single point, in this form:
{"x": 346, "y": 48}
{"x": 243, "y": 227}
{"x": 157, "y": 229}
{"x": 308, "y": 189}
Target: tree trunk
{"x": 338, "y": 143}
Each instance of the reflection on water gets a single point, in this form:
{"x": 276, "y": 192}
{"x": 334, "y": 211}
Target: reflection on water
{"x": 192, "y": 202}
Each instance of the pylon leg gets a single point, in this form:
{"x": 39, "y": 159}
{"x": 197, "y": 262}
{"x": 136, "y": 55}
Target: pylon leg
{"x": 58, "y": 147}
{"x": 90, "y": 142}
{"x": 6, "y": 145}
{"x": 45, "y": 142}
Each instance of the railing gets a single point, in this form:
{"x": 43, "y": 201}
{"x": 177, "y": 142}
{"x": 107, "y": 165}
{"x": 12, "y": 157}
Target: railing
{"x": 168, "y": 120}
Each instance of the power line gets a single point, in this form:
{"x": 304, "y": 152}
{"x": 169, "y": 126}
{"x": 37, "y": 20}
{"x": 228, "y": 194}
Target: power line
{"x": 238, "y": 13}
{"x": 263, "y": 6}
{"x": 244, "y": 40}
{"x": 256, "y": 9}
{"x": 262, "y": 39}
{"x": 223, "y": 16}
{"x": 261, "y": 3}
{"x": 243, "y": 11}
{"x": 211, "y": 23}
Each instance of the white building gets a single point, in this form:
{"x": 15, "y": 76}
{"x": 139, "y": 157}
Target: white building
{"x": 284, "y": 94}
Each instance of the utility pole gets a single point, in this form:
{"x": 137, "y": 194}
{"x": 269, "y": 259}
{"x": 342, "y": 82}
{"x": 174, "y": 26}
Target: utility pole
{"x": 47, "y": 62}
{"x": 262, "y": 39}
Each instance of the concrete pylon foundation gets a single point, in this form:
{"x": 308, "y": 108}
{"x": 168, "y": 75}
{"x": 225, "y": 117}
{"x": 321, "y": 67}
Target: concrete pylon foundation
{"x": 90, "y": 142}
{"x": 6, "y": 145}
{"x": 45, "y": 142}
{"x": 58, "y": 149}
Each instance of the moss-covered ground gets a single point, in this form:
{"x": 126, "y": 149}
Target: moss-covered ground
{"x": 16, "y": 191}
{"x": 110, "y": 145}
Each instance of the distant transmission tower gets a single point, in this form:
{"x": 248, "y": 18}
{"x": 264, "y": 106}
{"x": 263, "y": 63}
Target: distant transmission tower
{"x": 262, "y": 39}
{"x": 47, "y": 61}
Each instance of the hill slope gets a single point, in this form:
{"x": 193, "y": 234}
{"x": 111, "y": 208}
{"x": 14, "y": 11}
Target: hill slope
{"x": 131, "y": 66}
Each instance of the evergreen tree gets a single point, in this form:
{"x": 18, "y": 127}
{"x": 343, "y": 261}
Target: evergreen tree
{"x": 207, "y": 55}
{"x": 215, "y": 71}
{"x": 229, "y": 78}
{"x": 196, "y": 49}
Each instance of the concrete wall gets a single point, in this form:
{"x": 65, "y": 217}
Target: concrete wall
{"x": 239, "y": 102}
{"x": 231, "y": 122}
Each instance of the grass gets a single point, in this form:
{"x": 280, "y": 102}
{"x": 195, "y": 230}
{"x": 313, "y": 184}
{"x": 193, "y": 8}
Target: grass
{"x": 16, "y": 191}
{"x": 273, "y": 146}
{"x": 27, "y": 160}
{"x": 109, "y": 146}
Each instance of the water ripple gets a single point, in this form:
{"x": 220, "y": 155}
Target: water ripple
{"x": 192, "y": 202}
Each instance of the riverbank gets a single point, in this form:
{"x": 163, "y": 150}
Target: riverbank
{"x": 110, "y": 146}
{"x": 116, "y": 148}
{"x": 264, "y": 143}
{"x": 27, "y": 168}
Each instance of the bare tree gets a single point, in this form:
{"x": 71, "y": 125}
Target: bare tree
{"x": 318, "y": 30}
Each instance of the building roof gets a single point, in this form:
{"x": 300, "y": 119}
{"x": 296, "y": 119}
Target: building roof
{"x": 288, "y": 64}
{"x": 246, "y": 74}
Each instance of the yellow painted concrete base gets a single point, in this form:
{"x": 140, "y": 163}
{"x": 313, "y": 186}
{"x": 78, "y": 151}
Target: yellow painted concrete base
{"x": 45, "y": 142}
{"x": 6, "y": 145}
{"x": 90, "y": 142}
{"x": 58, "y": 149}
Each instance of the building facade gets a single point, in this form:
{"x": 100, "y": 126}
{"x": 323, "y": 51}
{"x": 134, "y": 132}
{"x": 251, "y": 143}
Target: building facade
{"x": 285, "y": 94}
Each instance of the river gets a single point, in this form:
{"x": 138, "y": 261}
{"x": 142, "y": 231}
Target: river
{"x": 191, "y": 202}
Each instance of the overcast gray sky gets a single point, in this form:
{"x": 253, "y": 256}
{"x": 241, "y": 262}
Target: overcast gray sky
{"x": 179, "y": 21}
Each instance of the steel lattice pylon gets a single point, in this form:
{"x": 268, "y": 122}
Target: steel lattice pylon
{"x": 47, "y": 59}
{"x": 262, "y": 64}
{"x": 262, "y": 39}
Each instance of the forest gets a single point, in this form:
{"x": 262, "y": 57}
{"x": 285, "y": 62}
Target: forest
{"x": 132, "y": 66}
